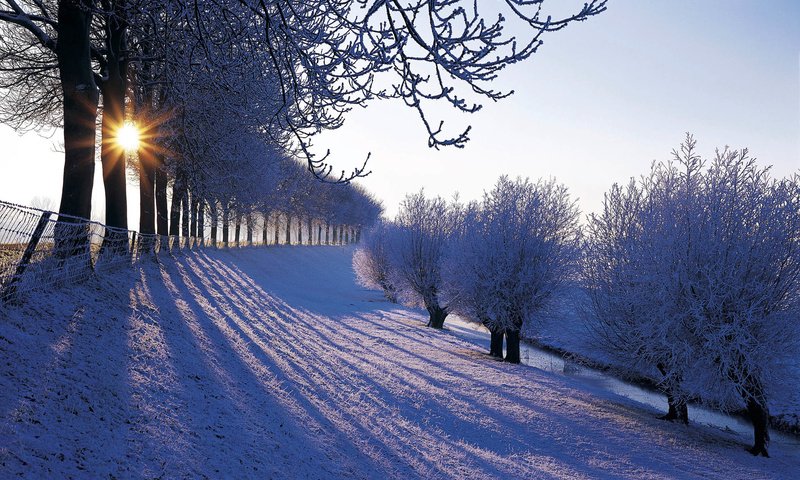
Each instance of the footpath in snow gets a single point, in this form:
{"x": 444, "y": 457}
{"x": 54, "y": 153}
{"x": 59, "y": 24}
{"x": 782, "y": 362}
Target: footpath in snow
{"x": 272, "y": 363}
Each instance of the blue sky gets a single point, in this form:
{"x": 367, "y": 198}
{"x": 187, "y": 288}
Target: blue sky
{"x": 598, "y": 103}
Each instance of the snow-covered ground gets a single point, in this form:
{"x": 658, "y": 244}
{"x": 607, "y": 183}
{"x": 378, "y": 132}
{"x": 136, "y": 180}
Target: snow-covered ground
{"x": 272, "y": 363}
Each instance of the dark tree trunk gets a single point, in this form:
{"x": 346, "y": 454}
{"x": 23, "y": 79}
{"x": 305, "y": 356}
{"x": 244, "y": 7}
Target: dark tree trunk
{"x": 437, "y": 316}
{"x": 147, "y": 205}
{"x": 237, "y": 229}
{"x": 225, "y": 221}
{"x": 214, "y": 220}
{"x": 113, "y": 90}
{"x": 319, "y": 234}
{"x": 185, "y": 214}
{"x": 276, "y": 227}
{"x": 677, "y": 408}
{"x": 327, "y": 233}
{"x": 759, "y": 414}
{"x": 250, "y": 230}
{"x": 512, "y": 346}
{"x": 264, "y": 230}
{"x": 175, "y": 208}
{"x": 201, "y": 221}
{"x": 162, "y": 224}
{"x": 80, "y": 98}
{"x": 496, "y": 343}
{"x": 288, "y": 230}
{"x": 193, "y": 216}
{"x": 300, "y": 230}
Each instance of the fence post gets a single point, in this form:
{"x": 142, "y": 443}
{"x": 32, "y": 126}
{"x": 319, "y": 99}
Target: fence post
{"x": 11, "y": 288}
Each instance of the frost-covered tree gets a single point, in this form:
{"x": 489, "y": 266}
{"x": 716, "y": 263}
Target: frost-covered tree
{"x": 515, "y": 252}
{"x": 633, "y": 252}
{"x": 745, "y": 287}
{"x": 424, "y": 228}
{"x": 693, "y": 274}
{"x": 372, "y": 260}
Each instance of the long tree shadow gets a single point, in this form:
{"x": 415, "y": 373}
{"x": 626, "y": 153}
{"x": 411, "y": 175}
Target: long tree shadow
{"x": 335, "y": 341}
{"x": 593, "y": 419}
{"x": 65, "y": 394}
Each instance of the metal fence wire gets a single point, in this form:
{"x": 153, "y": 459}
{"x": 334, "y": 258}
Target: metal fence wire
{"x": 41, "y": 249}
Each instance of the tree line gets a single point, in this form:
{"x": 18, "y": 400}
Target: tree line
{"x": 219, "y": 87}
{"x": 691, "y": 273}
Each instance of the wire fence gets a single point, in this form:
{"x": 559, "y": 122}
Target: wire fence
{"x": 40, "y": 249}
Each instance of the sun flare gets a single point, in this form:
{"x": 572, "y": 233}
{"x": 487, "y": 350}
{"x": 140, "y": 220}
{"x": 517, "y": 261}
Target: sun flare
{"x": 128, "y": 137}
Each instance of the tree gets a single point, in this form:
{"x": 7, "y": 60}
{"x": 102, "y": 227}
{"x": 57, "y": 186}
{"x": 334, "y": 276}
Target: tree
{"x": 425, "y": 226}
{"x": 693, "y": 274}
{"x": 517, "y": 250}
{"x": 372, "y": 261}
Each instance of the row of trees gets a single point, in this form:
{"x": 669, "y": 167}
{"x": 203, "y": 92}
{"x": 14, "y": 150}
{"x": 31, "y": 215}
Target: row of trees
{"x": 297, "y": 209}
{"x": 220, "y": 87}
{"x": 498, "y": 262}
{"x": 692, "y": 271}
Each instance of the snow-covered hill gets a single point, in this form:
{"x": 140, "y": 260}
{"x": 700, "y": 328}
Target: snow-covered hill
{"x": 272, "y": 363}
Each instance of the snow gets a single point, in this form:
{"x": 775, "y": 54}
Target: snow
{"x": 272, "y": 362}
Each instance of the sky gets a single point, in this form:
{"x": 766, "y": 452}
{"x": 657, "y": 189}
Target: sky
{"x": 596, "y": 105}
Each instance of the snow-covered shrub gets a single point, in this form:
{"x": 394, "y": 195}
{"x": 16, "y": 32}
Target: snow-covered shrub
{"x": 424, "y": 228}
{"x": 694, "y": 273}
{"x": 517, "y": 248}
{"x": 371, "y": 261}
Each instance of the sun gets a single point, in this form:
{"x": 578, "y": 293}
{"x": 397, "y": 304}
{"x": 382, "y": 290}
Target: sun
{"x": 128, "y": 137}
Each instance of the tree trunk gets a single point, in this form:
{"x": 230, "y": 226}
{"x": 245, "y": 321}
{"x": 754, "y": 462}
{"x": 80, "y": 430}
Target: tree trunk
{"x": 288, "y": 230}
{"x": 185, "y": 213}
{"x": 175, "y": 207}
{"x": 147, "y": 206}
{"x": 676, "y": 407}
{"x": 237, "y": 229}
{"x": 193, "y": 216}
{"x": 276, "y": 228}
{"x": 496, "y": 343}
{"x": 759, "y": 414}
{"x": 214, "y": 220}
{"x": 250, "y": 229}
{"x": 512, "y": 346}
{"x": 299, "y": 230}
{"x": 264, "y": 230}
{"x": 162, "y": 224}
{"x": 201, "y": 221}
{"x": 437, "y": 316}
{"x": 80, "y": 98}
{"x": 113, "y": 89}
{"x": 677, "y": 410}
{"x": 225, "y": 219}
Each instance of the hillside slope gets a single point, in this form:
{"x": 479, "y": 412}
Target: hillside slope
{"x": 272, "y": 363}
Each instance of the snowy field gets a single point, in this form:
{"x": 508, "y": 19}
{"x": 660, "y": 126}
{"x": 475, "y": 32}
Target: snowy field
{"x": 272, "y": 363}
